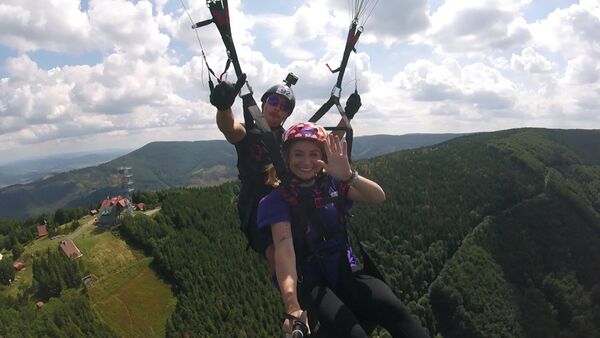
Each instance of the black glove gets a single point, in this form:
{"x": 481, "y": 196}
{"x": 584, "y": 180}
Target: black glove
{"x": 352, "y": 105}
{"x": 223, "y": 95}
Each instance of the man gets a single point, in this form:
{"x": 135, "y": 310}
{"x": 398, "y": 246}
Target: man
{"x": 254, "y": 160}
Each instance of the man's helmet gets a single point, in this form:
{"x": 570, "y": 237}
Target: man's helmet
{"x": 283, "y": 90}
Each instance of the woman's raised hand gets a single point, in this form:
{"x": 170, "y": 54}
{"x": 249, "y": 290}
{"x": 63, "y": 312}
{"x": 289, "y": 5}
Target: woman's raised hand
{"x": 337, "y": 164}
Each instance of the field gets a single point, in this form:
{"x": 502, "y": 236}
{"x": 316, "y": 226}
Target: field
{"x": 134, "y": 302}
{"x": 125, "y": 292}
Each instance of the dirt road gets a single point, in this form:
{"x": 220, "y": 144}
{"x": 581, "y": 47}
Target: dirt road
{"x": 81, "y": 229}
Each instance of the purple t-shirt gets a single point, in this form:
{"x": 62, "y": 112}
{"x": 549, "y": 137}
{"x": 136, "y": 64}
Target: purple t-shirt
{"x": 274, "y": 208}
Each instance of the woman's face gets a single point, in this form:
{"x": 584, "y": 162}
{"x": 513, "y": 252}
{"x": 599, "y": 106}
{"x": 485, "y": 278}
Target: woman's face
{"x": 303, "y": 157}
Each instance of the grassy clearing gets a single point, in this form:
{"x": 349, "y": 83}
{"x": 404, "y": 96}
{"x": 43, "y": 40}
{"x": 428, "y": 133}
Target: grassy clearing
{"x": 104, "y": 253}
{"x": 126, "y": 293}
{"x": 110, "y": 284}
{"x": 137, "y": 306}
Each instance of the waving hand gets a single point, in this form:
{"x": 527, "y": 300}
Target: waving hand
{"x": 337, "y": 164}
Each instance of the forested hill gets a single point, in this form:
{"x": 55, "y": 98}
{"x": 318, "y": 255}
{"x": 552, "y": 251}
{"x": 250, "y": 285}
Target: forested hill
{"x": 365, "y": 147}
{"x": 162, "y": 165}
{"x": 488, "y": 235}
{"x": 493, "y": 235}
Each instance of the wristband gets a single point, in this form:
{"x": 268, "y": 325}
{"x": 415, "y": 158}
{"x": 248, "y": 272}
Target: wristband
{"x": 352, "y": 178}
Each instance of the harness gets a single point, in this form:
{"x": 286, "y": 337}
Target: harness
{"x": 253, "y": 159}
{"x": 310, "y": 248}
{"x": 305, "y": 211}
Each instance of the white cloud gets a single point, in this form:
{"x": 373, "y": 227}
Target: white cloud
{"x": 57, "y": 25}
{"x": 388, "y": 22}
{"x": 582, "y": 70}
{"x": 570, "y": 32}
{"x": 531, "y": 62}
{"x": 127, "y": 27}
{"x": 450, "y": 88}
{"x": 489, "y": 70}
{"x": 22, "y": 69}
{"x": 287, "y": 34}
{"x": 477, "y": 27}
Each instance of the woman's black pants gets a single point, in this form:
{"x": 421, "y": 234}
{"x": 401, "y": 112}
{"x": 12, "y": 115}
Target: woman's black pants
{"x": 365, "y": 299}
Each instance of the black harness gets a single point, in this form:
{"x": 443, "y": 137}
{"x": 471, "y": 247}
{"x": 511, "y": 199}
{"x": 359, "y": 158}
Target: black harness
{"x": 307, "y": 210}
{"x": 253, "y": 159}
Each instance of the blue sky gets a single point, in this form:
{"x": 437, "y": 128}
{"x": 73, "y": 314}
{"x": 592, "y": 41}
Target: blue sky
{"x": 95, "y": 74}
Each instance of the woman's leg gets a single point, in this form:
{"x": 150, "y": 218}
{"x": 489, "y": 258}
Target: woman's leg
{"x": 375, "y": 301}
{"x": 336, "y": 319}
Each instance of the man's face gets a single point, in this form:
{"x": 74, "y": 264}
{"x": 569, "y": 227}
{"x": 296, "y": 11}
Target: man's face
{"x": 276, "y": 109}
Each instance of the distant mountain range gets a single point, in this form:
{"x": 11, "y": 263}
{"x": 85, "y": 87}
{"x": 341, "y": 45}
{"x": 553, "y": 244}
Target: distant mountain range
{"x": 27, "y": 171}
{"x": 155, "y": 166}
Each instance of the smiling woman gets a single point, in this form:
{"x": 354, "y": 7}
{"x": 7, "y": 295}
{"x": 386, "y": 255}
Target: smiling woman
{"x": 316, "y": 271}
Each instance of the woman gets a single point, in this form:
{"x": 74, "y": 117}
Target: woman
{"x": 306, "y": 221}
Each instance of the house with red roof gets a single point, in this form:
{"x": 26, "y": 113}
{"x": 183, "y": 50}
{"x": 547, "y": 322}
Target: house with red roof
{"x": 69, "y": 248}
{"x": 19, "y": 266}
{"x": 42, "y": 230}
{"x": 111, "y": 209}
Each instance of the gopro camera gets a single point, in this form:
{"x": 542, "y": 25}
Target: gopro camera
{"x": 290, "y": 79}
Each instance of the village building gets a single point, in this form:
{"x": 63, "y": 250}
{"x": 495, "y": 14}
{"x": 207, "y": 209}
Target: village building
{"x": 111, "y": 209}
{"x": 69, "y": 248}
{"x": 19, "y": 266}
{"x": 140, "y": 206}
{"x": 42, "y": 230}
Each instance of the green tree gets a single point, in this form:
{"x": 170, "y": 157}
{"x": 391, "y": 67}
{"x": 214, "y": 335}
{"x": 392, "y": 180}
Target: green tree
{"x": 75, "y": 225}
{"x": 17, "y": 250}
{"x": 61, "y": 216}
{"x": 7, "y": 272}
{"x": 54, "y": 272}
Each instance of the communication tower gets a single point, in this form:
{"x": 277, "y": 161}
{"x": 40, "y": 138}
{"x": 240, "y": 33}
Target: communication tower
{"x": 126, "y": 179}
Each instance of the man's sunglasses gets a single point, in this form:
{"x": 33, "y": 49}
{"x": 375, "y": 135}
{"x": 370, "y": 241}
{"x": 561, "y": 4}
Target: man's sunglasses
{"x": 282, "y": 103}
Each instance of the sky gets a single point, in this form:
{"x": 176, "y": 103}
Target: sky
{"x": 109, "y": 74}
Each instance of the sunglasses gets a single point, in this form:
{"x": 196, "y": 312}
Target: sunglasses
{"x": 282, "y": 103}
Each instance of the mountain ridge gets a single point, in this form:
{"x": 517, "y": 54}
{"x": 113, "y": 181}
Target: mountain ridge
{"x": 161, "y": 165}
